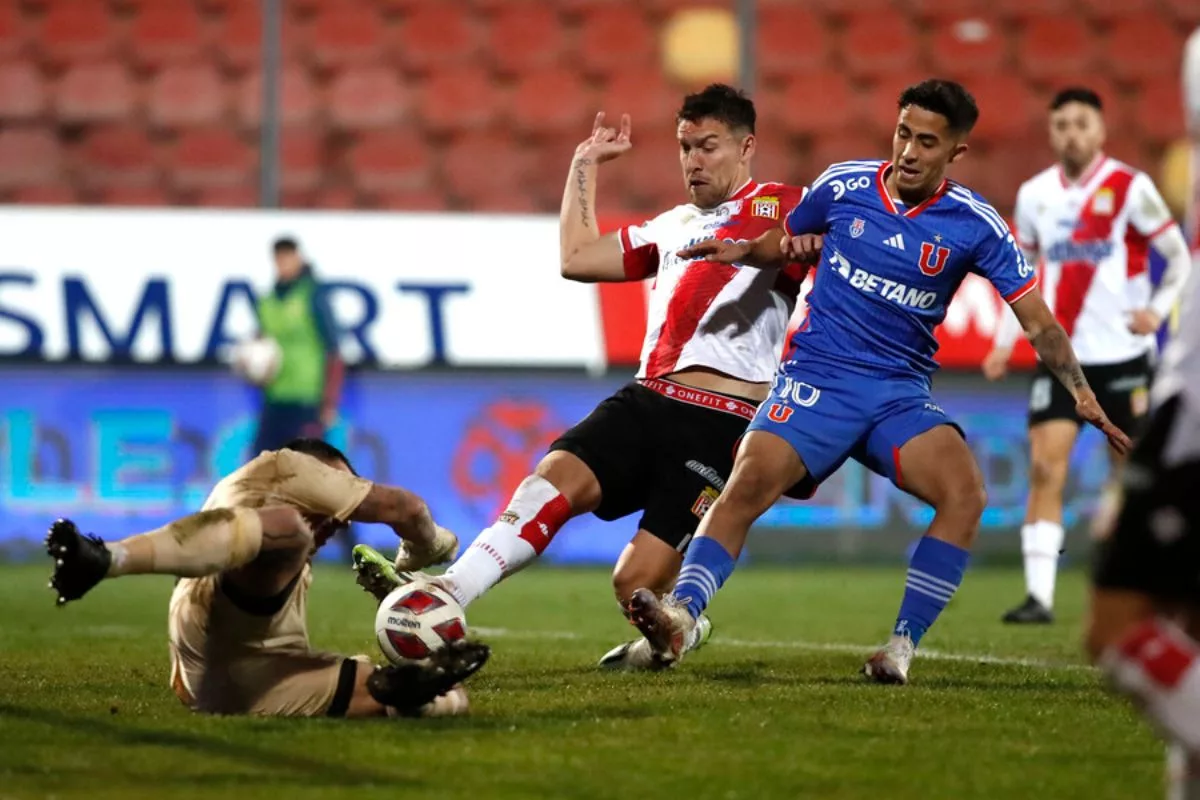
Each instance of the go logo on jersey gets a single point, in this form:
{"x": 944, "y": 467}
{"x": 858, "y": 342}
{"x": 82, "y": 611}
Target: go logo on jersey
{"x": 840, "y": 187}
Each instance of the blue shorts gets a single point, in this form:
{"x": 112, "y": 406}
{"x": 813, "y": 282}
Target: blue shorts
{"x": 829, "y": 413}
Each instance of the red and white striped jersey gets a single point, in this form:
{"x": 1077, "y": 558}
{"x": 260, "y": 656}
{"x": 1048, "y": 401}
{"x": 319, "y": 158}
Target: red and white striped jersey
{"x": 1093, "y": 237}
{"x": 731, "y": 319}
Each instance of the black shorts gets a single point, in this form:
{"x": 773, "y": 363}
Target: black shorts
{"x": 661, "y": 448}
{"x": 1123, "y": 391}
{"x": 1154, "y": 546}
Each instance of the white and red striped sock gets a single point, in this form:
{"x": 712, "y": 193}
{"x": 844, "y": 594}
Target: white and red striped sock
{"x": 1159, "y": 666}
{"x": 535, "y": 513}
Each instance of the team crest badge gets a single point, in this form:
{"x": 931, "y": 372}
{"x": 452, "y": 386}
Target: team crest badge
{"x": 767, "y": 207}
{"x": 704, "y": 501}
{"x": 857, "y": 227}
{"x": 933, "y": 259}
{"x": 1103, "y": 203}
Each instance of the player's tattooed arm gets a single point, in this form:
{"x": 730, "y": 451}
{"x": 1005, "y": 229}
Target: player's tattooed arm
{"x": 401, "y": 509}
{"x": 584, "y": 254}
{"x": 1053, "y": 346}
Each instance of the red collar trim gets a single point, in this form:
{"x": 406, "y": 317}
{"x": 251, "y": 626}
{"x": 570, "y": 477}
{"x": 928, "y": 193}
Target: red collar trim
{"x": 890, "y": 205}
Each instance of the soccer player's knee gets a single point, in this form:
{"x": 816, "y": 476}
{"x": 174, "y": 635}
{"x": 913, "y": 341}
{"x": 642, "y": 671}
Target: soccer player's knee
{"x": 751, "y": 489}
{"x": 629, "y": 576}
{"x": 1047, "y": 473}
{"x": 969, "y": 497}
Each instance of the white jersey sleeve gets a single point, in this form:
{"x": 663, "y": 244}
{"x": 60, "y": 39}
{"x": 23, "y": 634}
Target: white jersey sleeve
{"x": 1025, "y": 219}
{"x": 639, "y": 247}
{"x": 1191, "y": 82}
{"x": 1148, "y": 213}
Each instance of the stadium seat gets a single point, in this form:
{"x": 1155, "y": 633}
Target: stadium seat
{"x": 1130, "y": 149}
{"x": 14, "y": 31}
{"x": 1158, "y": 112}
{"x": 791, "y": 39}
{"x": 166, "y": 33}
{"x": 614, "y": 37}
{"x": 1021, "y": 9}
{"x": 136, "y": 196}
{"x": 967, "y": 47}
{"x": 841, "y": 8}
{"x": 776, "y": 159}
{"x": 367, "y": 97}
{"x": 1051, "y": 45}
{"x": 346, "y": 35}
{"x": 298, "y": 101}
{"x": 77, "y": 31}
{"x": 301, "y": 160}
{"x": 438, "y": 35}
{"x": 186, "y": 96}
{"x": 524, "y": 37}
{"x": 413, "y": 200}
{"x": 1142, "y": 46}
{"x": 335, "y": 198}
{"x": 877, "y": 105}
{"x": 489, "y": 161}
{"x": 95, "y": 92}
{"x": 50, "y": 194}
{"x": 210, "y": 159}
{"x": 874, "y": 45}
{"x": 812, "y": 103}
{"x": 1007, "y": 108}
{"x": 649, "y": 100}
{"x": 946, "y": 11}
{"x": 238, "y": 37}
{"x": 390, "y": 161}
{"x": 459, "y": 98}
{"x": 29, "y": 157}
{"x": 1185, "y": 12}
{"x": 499, "y": 201}
{"x": 22, "y": 93}
{"x": 236, "y": 196}
{"x": 552, "y": 101}
{"x": 650, "y": 171}
{"x": 120, "y": 156}
{"x": 850, "y": 146}
{"x": 1107, "y": 11}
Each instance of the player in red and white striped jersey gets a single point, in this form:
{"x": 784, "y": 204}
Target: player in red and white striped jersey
{"x": 1091, "y": 220}
{"x": 662, "y": 445}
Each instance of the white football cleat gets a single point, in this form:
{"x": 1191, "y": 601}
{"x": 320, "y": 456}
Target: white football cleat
{"x": 411, "y": 557}
{"x": 666, "y": 623}
{"x": 890, "y": 665}
{"x": 638, "y": 656}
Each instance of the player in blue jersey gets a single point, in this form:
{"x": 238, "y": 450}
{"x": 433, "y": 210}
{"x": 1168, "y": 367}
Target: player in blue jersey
{"x": 898, "y": 238}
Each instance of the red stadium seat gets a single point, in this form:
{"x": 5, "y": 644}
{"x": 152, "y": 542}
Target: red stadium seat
{"x": 367, "y": 97}
{"x": 413, "y": 200}
{"x": 945, "y": 11}
{"x": 846, "y": 7}
{"x": 877, "y": 106}
{"x": 29, "y": 157}
{"x": 648, "y": 98}
{"x": 120, "y": 156}
{"x": 347, "y": 35}
{"x": 1106, "y": 10}
{"x": 615, "y": 37}
{"x": 776, "y": 159}
{"x": 650, "y": 171}
{"x": 1052, "y": 45}
{"x": 301, "y": 160}
{"x": 166, "y": 33}
{"x": 1186, "y": 12}
{"x": 22, "y": 94}
{"x": 340, "y": 198}
{"x": 237, "y": 196}
{"x": 239, "y": 37}
{"x": 523, "y": 37}
{"x": 813, "y": 103}
{"x": 438, "y": 35}
{"x": 552, "y": 101}
{"x": 877, "y": 44}
{"x": 51, "y": 194}
{"x": 968, "y": 47}
{"x": 1158, "y": 111}
{"x": 488, "y": 161}
{"x": 1007, "y": 109}
{"x": 791, "y": 40}
{"x": 298, "y": 101}
{"x": 390, "y": 161}
{"x": 14, "y": 32}
{"x": 852, "y": 146}
{"x": 499, "y": 201}
{"x": 459, "y": 98}
{"x": 136, "y": 196}
{"x": 1021, "y": 9}
{"x": 1142, "y": 46}
{"x": 95, "y": 92}
{"x": 186, "y": 96}
{"x": 1130, "y": 149}
{"x": 77, "y": 31}
{"x": 210, "y": 159}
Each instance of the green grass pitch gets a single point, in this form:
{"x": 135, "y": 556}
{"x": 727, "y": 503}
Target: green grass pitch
{"x": 773, "y": 708}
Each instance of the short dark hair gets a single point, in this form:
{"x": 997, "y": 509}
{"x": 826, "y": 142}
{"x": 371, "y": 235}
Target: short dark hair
{"x": 318, "y": 449}
{"x": 721, "y": 102}
{"x": 947, "y": 98}
{"x": 285, "y": 244}
{"x": 1076, "y": 94}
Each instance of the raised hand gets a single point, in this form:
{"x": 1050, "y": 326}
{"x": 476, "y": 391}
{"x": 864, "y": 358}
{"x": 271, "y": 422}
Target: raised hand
{"x": 606, "y": 143}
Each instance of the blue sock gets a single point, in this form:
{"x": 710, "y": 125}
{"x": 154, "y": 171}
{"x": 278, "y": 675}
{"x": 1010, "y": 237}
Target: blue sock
{"x": 707, "y": 566}
{"x": 934, "y": 573}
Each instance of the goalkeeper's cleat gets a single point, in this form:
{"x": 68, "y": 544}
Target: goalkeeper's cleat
{"x": 374, "y": 573}
{"x": 637, "y": 655}
{"x": 890, "y": 664}
{"x": 1031, "y": 612}
{"x": 80, "y": 562}
{"x": 411, "y": 557}
{"x": 665, "y": 622}
{"x": 409, "y": 687}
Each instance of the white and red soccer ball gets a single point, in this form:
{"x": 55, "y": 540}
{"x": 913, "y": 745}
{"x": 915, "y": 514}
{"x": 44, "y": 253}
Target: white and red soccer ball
{"x": 417, "y": 620}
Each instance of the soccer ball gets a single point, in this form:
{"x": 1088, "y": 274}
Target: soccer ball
{"x": 417, "y": 620}
{"x": 258, "y": 360}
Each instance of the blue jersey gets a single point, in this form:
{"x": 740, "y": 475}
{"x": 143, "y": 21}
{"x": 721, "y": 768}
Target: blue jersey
{"x": 887, "y": 273}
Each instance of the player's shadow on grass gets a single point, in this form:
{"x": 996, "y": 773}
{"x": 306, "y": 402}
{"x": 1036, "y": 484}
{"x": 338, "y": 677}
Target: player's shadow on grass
{"x": 301, "y": 768}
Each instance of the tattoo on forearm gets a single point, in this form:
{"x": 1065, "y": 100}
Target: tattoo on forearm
{"x": 1054, "y": 347}
{"x": 581, "y": 183}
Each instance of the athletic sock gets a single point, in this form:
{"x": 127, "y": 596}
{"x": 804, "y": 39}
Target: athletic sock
{"x": 1183, "y": 773}
{"x": 705, "y": 569}
{"x": 1159, "y": 666}
{"x": 1041, "y": 542}
{"x": 934, "y": 573}
{"x": 535, "y": 513}
{"x": 196, "y": 545}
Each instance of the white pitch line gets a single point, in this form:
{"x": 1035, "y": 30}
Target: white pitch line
{"x": 823, "y": 647}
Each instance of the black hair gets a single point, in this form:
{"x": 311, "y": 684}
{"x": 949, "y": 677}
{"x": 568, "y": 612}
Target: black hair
{"x": 947, "y": 98}
{"x": 1076, "y": 94}
{"x": 721, "y": 102}
{"x": 285, "y": 244}
{"x": 318, "y": 449}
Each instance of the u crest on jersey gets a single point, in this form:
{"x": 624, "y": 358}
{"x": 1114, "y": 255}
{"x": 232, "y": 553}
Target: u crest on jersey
{"x": 933, "y": 261}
